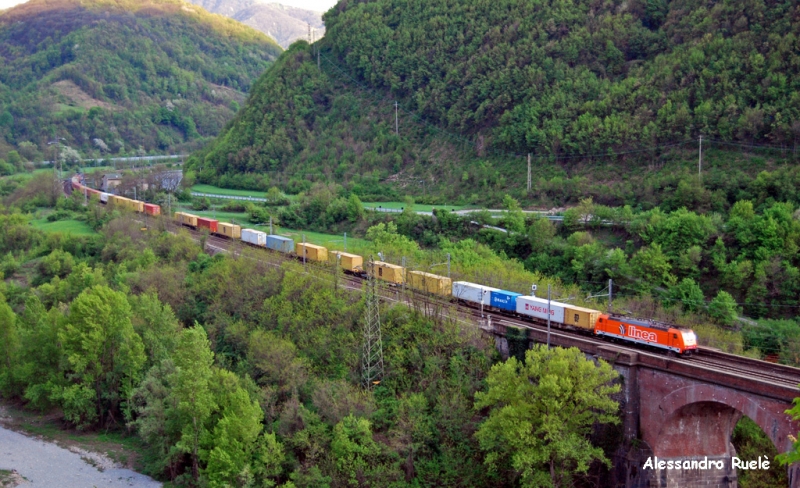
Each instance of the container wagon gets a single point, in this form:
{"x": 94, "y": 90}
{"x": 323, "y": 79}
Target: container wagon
{"x": 231, "y": 231}
{"x": 210, "y": 224}
{"x": 583, "y": 318}
{"x": 151, "y": 209}
{"x": 311, "y": 252}
{"x": 254, "y": 237}
{"x": 387, "y": 272}
{"x": 536, "y": 307}
{"x": 429, "y": 283}
{"x": 350, "y": 263}
{"x": 505, "y": 300}
{"x": 280, "y": 244}
{"x": 186, "y": 219}
{"x": 473, "y": 293}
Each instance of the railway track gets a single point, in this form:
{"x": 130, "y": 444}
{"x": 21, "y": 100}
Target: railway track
{"x": 785, "y": 377}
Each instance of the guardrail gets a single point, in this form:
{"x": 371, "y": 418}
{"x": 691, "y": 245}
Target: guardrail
{"x": 228, "y": 197}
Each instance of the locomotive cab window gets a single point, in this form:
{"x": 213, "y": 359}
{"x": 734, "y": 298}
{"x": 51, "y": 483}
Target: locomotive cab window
{"x": 674, "y": 336}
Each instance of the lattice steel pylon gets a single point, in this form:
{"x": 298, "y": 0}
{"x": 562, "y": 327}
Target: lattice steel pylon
{"x": 372, "y": 355}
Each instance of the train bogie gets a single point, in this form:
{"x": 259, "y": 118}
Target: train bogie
{"x": 254, "y": 237}
{"x": 231, "y": 231}
{"x": 387, "y": 272}
{"x": 429, "y": 283}
{"x": 280, "y": 243}
{"x": 505, "y": 300}
{"x": 473, "y": 292}
{"x": 311, "y": 252}
{"x": 352, "y": 263}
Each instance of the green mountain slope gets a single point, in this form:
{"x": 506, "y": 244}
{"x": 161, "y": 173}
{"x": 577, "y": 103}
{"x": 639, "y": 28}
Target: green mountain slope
{"x": 155, "y": 74}
{"x": 560, "y": 80}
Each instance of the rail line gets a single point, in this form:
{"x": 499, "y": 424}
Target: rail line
{"x": 787, "y": 378}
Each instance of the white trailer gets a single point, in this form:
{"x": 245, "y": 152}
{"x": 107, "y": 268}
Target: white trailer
{"x": 473, "y": 292}
{"x": 537, "y": 307}
{"x": 254, "y": 237}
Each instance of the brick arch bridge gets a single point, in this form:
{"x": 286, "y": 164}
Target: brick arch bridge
{"x": 686, "y": 409}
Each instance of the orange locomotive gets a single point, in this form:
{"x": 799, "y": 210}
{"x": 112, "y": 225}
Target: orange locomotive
{"x": 647, "y": 333}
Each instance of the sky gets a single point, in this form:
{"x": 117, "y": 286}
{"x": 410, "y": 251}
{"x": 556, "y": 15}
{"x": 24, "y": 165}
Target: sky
{"x": 318, "y": 5}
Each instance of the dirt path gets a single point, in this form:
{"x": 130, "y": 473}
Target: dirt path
{"x": 27, "y": 461}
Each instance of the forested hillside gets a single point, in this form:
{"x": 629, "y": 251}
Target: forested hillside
{"x": 584, "y": 87}
{"x": 114, "y": 76}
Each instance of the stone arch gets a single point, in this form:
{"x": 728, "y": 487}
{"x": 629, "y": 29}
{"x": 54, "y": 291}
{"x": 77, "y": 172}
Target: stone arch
{"x": 723, "y": 405}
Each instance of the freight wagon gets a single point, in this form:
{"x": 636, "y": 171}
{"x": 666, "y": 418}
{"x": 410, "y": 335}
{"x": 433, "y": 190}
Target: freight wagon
{"x": 429, "y": 283}
{"x": 386, "y": 272}
{"x": 254, "y": 237}
{"x": 186, "y": 219}
{"x": 536, "y": 308}
{"x": 231, "y": 231}
{"x": 280, "y": 244}
{"x": 151, "y": 209}
{"x": 210, "y": 224}
{"x": 311, "y": 252}
{"x": 504, "y": 300}
{"x": 473, "y": 293}
{"x": 350, "y": 263}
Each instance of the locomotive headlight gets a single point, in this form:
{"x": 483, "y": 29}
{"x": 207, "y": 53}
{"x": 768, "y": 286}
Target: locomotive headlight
{"x": 689, "y": 339}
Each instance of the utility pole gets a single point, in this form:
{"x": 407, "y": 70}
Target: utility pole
{"x": 548, "y": 316}
{"x": 317, "y": 59}
{"x": 609, "y": 295}
{"x": 345, "y": 242}
{"x": 396, "y": 126}
{"x": 448, "y": 265}
{"x": 270, "y": 226}
{"x": 309, "y": 32}
{"x": 372, "y": 357}
{"x": 700, "y": 159}
{"x": 305, "y": 254}
{"x": 529, "y": 172}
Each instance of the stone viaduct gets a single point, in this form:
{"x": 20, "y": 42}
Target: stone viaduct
{"x": 685, "y": 409}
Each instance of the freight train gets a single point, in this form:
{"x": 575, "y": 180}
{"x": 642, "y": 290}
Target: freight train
{"x": 642, "y": 332}
{"x": 110, "y": 198}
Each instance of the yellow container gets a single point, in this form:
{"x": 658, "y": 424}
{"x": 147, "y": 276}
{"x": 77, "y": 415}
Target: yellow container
{"x": 229, "y": 230}
{"x": 584, "y": 318}
{"x": 312, "y": 252}
{"x": 430, "y": 283}
{"x": 186, "y": 219}
{"x": 348, "y": 262}
{"x": 387, "y": 272}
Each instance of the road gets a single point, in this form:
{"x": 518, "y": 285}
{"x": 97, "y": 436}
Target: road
{"x": 44, "y": 464}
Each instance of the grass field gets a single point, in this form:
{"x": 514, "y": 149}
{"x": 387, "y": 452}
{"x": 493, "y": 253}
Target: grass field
{"x": 417, "y": 207}
{"x": 225, "y": 191}
{"x": 64, "y": 226}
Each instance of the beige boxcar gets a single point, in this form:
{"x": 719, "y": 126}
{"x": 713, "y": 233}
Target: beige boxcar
{"x": 429, "y": 282}
{"x": 186, "y": 219}
{"x": 584, "y": 318}
{"x": 229, "y": 230}
{"x": 387, "y": 272}
{"x": 348, "y": 262}
{"x": 312, "y": 252}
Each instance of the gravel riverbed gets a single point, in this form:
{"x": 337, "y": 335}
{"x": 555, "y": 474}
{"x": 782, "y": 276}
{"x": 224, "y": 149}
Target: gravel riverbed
{"x": 44, "y": 464}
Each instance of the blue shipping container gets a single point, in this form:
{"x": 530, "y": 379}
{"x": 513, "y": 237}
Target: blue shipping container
{"x": 280, "y": 243}
{"x": 506, "y": 300}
